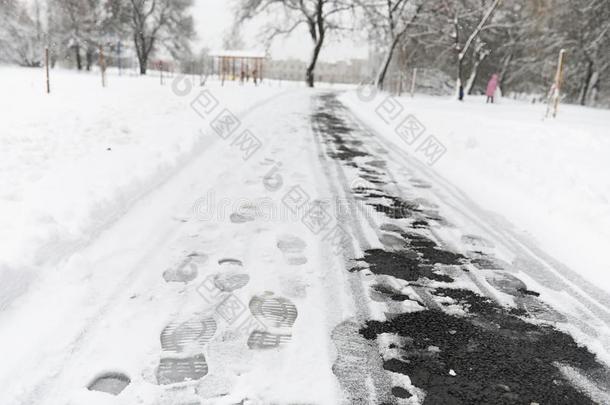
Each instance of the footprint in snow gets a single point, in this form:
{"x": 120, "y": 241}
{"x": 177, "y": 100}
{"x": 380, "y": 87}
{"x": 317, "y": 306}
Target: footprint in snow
{"x": 356, "y": 364}
{"x": 378, "y": 163}
{"x": 231, "y": 277}
{"x": 393, "y": 243}
{"x": 179, "y": 370}
{"x": 505, "y": 282}
{"x": 388, "y": 227}
{"x": 194, "y": 334}
{"x": 278, "y": 315}
{"x": 229, "y": 282}
{"x": 525, "y": 299}
{"x": 110, "y": 383}
{"x": 245, "y": 213}
{"x": 239, "y": 218}
{"x": 181, "y": 347}
{"x": 382, "y": 151}
{"x": 187, "y": 270}
{"x": 477, "y": 242}
{"x": 419, "y": 183}
{"x": 539, "y": 309}
{"x": 266, "y": 340}
{"x": 292, "y": 247}
{"x": 230, "y": 262}
{"x": 267, "y": 162}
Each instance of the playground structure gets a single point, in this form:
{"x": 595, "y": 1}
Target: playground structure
{"x": 238, "y": 65}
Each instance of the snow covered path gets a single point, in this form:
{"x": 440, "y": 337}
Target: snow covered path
{"x": 434, "y": 247}
{"x": 315, "y": 263}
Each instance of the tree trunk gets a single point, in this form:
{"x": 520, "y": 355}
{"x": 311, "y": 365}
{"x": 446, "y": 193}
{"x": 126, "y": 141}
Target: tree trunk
{"x": 459, "y": 81}
{"x": 309, "y": 74}
{"x": 142, "y": 57}
{"x": 474, "y": 73}
{"x": 503, "y": 72}
{"x": 593, "y": 88}
{"x": 79, "y": 62}
{"x": 89, "y": 59}
{"x": 463, "y": 50}
{"x": 143, "y": 62}
{"x": 586, "y": 83}
{"x": 142, "y": 50}
{"x": 383, "y": 71}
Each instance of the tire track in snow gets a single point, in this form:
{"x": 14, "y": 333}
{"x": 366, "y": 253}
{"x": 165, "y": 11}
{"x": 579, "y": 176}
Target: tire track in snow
{"x": 596, "y": 300}
{"x": 358, "y": 366}
{"x": 580, "y": 357}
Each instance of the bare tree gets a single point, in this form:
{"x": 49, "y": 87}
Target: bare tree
{"x": 159, "y": 22}
{"x": 516, "y": 24}
{"x": 587, "y": 26}
{"x": 71, "y": 24}
{"x": 319, "y": 16}
{"x": 93, "y": 29}
{"x": 465, "y": 34}
{"x": 21, "y": 33}
{"x": 80, "y": 26}
{"x": 392, "y": 18}
{"x": 479, "y": 54}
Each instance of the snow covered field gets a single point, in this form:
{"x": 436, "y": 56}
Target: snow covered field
{"x": 74, "y": 161}
{"x": 549, "y": 178}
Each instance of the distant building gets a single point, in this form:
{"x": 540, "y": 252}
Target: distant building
{"x": 350, "y": 71}
{"x": 289, "y": 69}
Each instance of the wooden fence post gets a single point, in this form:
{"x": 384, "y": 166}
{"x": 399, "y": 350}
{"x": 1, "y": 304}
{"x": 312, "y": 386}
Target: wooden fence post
{"x": 119, "y": 62}
{"x": 559, "y": 80}
{"x": 413, "y": 79}
{"x": 46, "y": 63}
{"x": 102, "y": 62}
{"x": 555, "y": 93}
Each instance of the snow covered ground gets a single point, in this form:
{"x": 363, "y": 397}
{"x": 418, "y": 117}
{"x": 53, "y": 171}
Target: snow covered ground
{"x": 549, "y": 178}
{"x": 174, "y": 259}
{"x": 74, "y": 161}
{"x": 110, "y": 297}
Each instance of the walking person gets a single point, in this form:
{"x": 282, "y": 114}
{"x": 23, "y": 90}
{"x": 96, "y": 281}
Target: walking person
{"x": 492, "y": 86}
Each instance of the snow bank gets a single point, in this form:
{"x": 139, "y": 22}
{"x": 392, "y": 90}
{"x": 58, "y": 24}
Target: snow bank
{"x": 75, "y": 160}
{"x": 550, "y": 178}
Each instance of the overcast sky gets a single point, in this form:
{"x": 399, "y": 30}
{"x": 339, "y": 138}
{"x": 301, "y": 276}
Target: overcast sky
{"x": 214, "y": 17}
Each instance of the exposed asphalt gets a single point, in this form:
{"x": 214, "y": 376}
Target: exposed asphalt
{"x": 483, "y": 353}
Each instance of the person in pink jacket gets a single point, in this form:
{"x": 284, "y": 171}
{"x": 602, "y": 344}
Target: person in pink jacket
{"x": 492, "y": 86}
